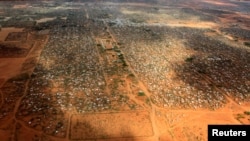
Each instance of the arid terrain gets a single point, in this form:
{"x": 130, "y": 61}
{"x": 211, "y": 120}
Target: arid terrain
{"x": 114, "y": 70}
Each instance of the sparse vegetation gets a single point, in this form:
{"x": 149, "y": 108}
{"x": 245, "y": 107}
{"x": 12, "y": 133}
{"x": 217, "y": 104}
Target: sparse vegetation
{"x": 189, "y": 59}
{"x": 148, "y": 101}
{"x": 141, "y": 93}
{"x": 247, "y": 112}
{"x": 247, "y": 44}
{"x": 20, "y": 77}
{"x": 132, "y": 106}
{"x": 239, "y": 116}
{"x": 131, "y": 75}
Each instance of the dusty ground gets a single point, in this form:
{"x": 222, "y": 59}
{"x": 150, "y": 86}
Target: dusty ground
{"x": 123, "y": 71}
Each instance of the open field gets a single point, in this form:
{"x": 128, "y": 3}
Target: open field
{"x": 150, "y": 70}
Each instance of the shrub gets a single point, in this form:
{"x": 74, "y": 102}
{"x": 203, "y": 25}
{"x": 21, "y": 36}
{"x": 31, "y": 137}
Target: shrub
{"x": 247, "y": 44}
{"x": 189, "y": 59}
{"x": 141, "y": 93}
{"x": 247, "y": 112}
